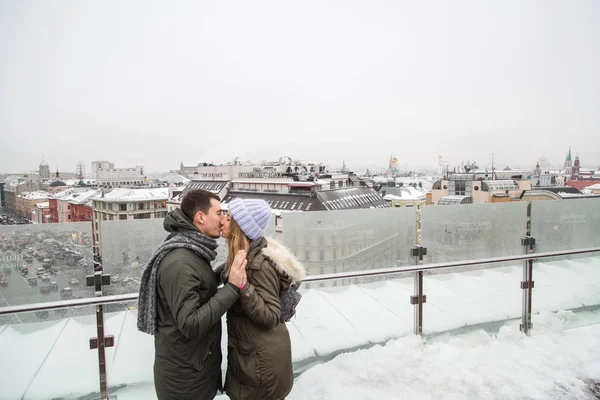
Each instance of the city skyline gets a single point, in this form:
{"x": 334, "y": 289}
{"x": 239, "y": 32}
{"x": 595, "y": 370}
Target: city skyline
{"x": 344, "y": 81}
{"x": 348, "y": 163}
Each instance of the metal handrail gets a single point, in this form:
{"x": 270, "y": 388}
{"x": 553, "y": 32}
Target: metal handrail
{"x": 449, "y": 264}
{"x": 122, "y": 298}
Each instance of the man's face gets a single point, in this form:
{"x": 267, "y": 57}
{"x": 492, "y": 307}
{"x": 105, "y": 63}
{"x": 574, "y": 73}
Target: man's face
{"x": 210, "y": 223}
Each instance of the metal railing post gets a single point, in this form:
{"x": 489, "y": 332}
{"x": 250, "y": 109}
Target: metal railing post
{"x": 527, "y": 286}
{"x": 418, "y": 299}
{"x": 101, "y": 341}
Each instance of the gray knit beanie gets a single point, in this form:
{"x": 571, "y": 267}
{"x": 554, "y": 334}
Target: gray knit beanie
{"x": 252, "y": 216}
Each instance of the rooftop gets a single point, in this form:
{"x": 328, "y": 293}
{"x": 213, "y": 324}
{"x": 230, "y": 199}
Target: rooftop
{"x": 38, "y": 195}
{"x": 57, "y": 184}
{"x": 83, "y": 197}
{"x": 490, "y": 186}
{"x": 454, "y": 199}
{"x": 122, "y": 195}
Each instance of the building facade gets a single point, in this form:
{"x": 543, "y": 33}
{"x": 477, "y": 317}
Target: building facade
{"x": 26, "y": 202}
{"x": 128, "y": 204}
{"x": 477, "y": 188}
{"x": 82, "y": 206}
{"x": 44, "y": 172}
{"x": 106, "y": 175}
{"x": 41, "y": 213}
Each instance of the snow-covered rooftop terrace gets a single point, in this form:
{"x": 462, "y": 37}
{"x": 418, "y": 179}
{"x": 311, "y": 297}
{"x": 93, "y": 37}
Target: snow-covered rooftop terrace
{"x": 356, "y": 341}
{"x": 53, "y": 358}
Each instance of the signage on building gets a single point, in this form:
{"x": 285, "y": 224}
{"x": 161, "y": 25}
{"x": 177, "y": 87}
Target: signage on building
{"x": 11, "y": 261}
{"x": 212, "y": 175}
{"x": 259, "y": 175}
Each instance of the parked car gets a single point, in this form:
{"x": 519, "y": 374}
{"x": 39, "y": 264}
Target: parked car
{"x": 74, "y": 282}
{"x": 54, "y": 286}
{"x": 41, "y": 271}
{"x": 127, "y": 281}
{"x": 32, "y": 281}
{"x": 45, "y": 289}
{"x": 4, "y": 282}
{"x": 45, "y": 278}
{"x": 66, "y": 293}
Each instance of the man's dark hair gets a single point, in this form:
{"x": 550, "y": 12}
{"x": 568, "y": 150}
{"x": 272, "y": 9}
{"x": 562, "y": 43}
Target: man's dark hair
{"x": 195, "y": 200}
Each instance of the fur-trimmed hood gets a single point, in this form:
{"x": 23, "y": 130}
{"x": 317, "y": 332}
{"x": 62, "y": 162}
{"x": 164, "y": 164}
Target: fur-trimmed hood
{"x": 284, "y": 260}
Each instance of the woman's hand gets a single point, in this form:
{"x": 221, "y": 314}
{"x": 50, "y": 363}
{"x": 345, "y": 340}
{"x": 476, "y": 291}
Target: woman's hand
{"x": 237, "y": 272}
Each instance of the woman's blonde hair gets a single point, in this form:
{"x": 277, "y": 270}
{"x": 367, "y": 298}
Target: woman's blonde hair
{"x": 237, "y": 241}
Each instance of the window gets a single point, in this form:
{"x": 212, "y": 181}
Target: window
{"x": 321, "y": 240}
{"x": 306, "y": 255}
{"x": 321, "y": 255}
{"x": 142, "y": 216}
{"x": 160, "y": 214}
{"x": 122, "y": 207}
{"x": 69, "y": 217}
{"x": 322, "y": 270}
{"x": 123, "y": 217}
{"x": 140, "y": 206}
{"x": 459, "y": 188}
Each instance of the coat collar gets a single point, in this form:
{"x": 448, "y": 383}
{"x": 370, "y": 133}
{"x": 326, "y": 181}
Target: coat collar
{"x": 285, "y": 262}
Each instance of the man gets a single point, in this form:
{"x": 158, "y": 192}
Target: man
{"x": 180, "y": 304}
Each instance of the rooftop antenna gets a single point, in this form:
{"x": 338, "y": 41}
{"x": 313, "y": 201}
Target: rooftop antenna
{"x": 493, "y": 173}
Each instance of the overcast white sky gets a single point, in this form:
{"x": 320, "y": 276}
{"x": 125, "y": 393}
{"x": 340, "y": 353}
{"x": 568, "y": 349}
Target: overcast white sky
{"x": 156, "y": 83}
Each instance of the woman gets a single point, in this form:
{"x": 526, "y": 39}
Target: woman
{"x": 259, "y": 360}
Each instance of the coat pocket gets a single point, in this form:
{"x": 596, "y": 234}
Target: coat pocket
{"x": 204, "y": 352}
{"x": 242, "y": 362}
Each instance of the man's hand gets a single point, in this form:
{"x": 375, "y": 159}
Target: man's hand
{"x": 237, "y": 272}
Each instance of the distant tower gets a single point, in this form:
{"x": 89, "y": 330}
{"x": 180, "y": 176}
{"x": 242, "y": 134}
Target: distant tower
{"x": 344, "y": 169}
{"x": 393, "y": 163}
{"x": 544, "y": 164}
{"x": 536, "y": 174}
{"x": 440, "y": 167}
{"x": 393, "y": 167}
{"x": 80, "y": 172}
{"x": 44, "y": 171}
{"x": 575, "y": 168}
{"x": 568, "y": 162}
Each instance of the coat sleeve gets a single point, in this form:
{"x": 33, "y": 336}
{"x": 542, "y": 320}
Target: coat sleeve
{"x": 260, "y": 299}
{"x": 181, "y": 285}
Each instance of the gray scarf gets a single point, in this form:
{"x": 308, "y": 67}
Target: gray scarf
{"x": 201, "y": 245}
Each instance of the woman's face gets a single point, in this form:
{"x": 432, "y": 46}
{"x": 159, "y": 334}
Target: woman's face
{"x": 225, "y": 227}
